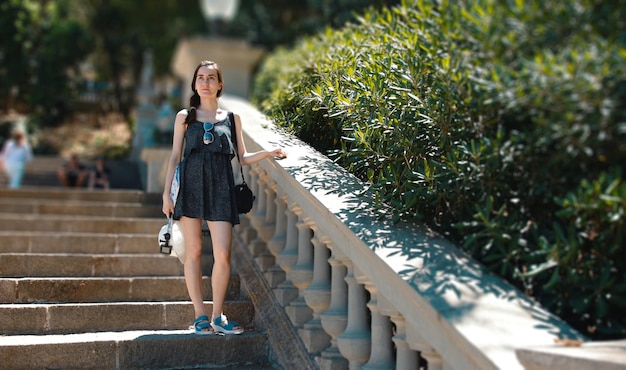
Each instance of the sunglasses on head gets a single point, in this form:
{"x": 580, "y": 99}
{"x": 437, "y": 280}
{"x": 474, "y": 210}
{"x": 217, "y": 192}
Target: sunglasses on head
{"x": 208, "y": 135}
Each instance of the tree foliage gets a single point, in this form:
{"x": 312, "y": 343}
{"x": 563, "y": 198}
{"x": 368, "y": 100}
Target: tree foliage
{"x": 273, "y": 23}
{"x": 125, "y": 30}
{"x": 42, "y": 46}
{"x": 44, "y": 43}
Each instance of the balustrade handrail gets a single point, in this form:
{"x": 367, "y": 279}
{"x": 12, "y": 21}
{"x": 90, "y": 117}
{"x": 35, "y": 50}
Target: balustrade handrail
{"x": 446, "y": 308}
{"x": 451, "y": 305}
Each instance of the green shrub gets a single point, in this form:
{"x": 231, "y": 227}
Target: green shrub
{"x": 500, "y": 124}
{"x": 589, "y": 235}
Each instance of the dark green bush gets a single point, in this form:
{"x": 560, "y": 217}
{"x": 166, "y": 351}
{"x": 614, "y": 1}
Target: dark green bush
{"x": 500, "y": 124}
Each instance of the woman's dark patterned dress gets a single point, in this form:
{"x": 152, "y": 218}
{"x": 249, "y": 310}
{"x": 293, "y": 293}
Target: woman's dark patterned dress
{"x": 207, "y": 187}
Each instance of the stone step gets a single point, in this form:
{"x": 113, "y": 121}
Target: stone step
{"x": 42, "y": 172}
{"x": 83, "y": 243}
{"x": 45, "y": 163}
{"x": 88, "y": 265}
{"x": 83, "y": 285}
{"x": 117, "y": 316}
{"x": 114, "y": 195}
{"x": 20, "y": 206}
{"x": 75, "y": 242}
{"x": 144, "y": 349}
{"x": 104, "y": 289}
{"x": 81, "y": 224}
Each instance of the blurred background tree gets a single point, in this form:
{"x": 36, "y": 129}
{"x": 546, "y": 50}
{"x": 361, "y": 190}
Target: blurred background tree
{"x": 123, "y": 30}
{"x": 46, "y": 45}
{"x": 271, "y": 23}
{"x": 41, "y": 47}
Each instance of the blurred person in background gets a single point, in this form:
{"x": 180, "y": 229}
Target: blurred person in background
{"x": 73, "y": 173}
{"x": 99, "y": 175}
{"x": 16, "y": 153}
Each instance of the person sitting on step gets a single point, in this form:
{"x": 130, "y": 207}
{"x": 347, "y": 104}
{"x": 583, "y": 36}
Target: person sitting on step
{"x": 73, "y": 173}
{"x": 99, "y": 175}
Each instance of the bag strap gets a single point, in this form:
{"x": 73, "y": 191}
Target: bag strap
{"x": 233, "y": 137}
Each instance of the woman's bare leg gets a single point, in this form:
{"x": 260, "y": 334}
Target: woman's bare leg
{"x": 221, "y": 237}
{"x": 192, "y": 231}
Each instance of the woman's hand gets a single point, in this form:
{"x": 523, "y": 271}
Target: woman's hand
{"x": 278, "y": 153}
{"x": 168, "y": 206}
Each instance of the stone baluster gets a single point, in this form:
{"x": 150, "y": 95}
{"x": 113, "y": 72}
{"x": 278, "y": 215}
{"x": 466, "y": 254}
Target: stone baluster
{"x": 406, "y": 358}
{"x": 418, "y": 343}
{"x": 335, "y": 318}
{"x": 257, "y": 213}
{"x": 355, "y": 342}
{"x": 435, "y": 362}
{"x": 382, "y": 355}
{"x": 275, "y": 275}
{"x": 257, "y": 218}
{"x": 247, "y": 231}
{"x": 317, "y": 297}
{"x": 268, "y": 227}
{"x": 265, "y": 258}
{"x": 285, "y": 291}
{"x": 302, "y": 274}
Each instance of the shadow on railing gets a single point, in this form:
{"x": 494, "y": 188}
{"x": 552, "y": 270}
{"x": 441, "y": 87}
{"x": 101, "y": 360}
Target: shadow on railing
{"x": 361, "y": 292}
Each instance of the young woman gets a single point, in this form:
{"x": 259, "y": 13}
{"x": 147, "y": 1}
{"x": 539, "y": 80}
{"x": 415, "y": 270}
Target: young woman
{"x": 207, "y": 190}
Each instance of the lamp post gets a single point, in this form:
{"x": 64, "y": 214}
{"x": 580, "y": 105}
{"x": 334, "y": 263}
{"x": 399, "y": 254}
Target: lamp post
{"x": 216, "y": 11}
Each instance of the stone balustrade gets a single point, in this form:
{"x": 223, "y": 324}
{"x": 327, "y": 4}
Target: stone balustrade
{"x": 364, "y": 293}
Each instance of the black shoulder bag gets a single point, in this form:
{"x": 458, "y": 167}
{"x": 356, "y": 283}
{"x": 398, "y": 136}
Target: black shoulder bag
{"x": 243, "y": 194}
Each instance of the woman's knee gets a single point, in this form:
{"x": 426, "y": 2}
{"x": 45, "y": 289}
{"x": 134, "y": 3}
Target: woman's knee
{"x": 193, "y": 248}
{"x": 221, "y": 254}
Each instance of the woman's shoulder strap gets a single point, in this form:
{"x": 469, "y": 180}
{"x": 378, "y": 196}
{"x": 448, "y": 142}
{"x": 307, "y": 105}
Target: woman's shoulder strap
{"x": 233, "y": 131}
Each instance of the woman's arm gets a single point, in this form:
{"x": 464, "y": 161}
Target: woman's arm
{"x": 246, "y": 158}
{"x": 177, "y": 146}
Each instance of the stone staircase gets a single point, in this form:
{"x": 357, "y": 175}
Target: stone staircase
{"x": 82, "y": 285}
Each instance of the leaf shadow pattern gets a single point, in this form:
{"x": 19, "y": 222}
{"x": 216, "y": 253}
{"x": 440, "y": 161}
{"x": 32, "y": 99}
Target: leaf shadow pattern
{"x": 455, "y": 285}
{"x": 443, "y": 280}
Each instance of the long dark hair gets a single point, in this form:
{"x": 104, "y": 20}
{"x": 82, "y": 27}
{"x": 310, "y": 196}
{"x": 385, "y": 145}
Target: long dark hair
{"x": 194, "y": 101}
